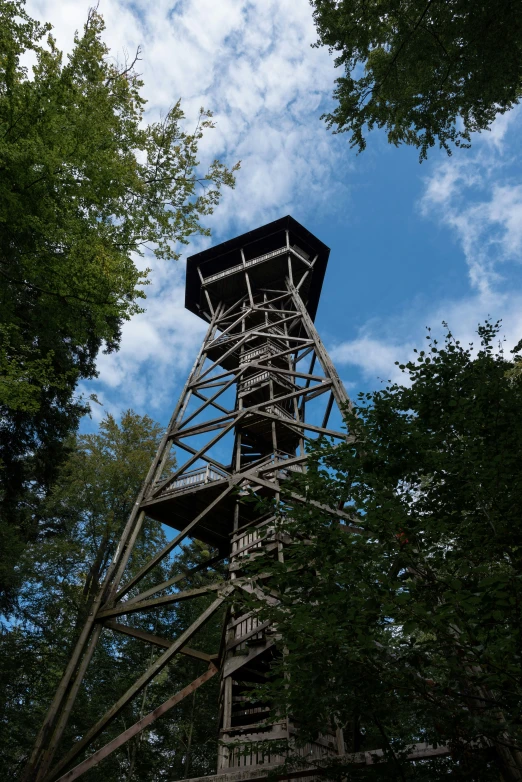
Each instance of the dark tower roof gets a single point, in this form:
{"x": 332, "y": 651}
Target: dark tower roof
{"x": 219, "y": 263}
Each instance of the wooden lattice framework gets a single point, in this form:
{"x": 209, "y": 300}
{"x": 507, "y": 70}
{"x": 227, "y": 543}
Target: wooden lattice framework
{"x": 258, "y": 293}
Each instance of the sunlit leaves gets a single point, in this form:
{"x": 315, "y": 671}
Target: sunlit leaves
{"x": 86, "y": 186}
{"x": 429, "y": 73}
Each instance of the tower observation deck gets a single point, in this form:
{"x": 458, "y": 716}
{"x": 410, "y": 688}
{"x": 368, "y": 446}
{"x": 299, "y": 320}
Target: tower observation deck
{"x": 269, "y": 255}
{"x": 261, "y": 387}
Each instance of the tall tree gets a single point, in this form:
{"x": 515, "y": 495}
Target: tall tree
{"x": 93, "y": 495}
{"x": 428, "y": 71}
{"x": 411, "y": 611}
{"x": 85, "y": 186}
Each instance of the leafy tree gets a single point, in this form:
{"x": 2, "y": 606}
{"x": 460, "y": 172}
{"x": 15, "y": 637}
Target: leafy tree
{"x": 427, "y": 71}
{"x": 85, "y": 187}
{"x": 94, "y": 494}
{"x": 402, "y": 620}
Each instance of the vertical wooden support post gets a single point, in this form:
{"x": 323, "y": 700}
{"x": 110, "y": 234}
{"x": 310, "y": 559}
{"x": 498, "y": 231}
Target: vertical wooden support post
{"x": 338, "y": 389}
{"x": 66, "y": 711}
{"x": 56, "y": 718}
{"x": 259, "y": 318}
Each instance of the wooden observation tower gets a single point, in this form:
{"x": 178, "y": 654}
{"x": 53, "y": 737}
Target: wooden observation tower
{"x": 261, "y": 386}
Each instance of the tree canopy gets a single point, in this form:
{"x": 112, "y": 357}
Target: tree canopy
{"x": 86, "y": 186}
{"x": 401, "y": 621}
{"x": 91, "y": 499}
{"x": 428, "y": 71}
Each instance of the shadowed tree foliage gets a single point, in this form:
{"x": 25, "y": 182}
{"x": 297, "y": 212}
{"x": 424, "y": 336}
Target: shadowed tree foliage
{"x": 85, "y": 187}
{"x": 404, "y": 624}
{"x": 428, "y": 71}
{"x": 94, "y": 493}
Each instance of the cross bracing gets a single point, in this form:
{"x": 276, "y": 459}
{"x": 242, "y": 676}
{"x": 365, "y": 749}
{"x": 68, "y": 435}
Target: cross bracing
{"x": 262, "y": 387}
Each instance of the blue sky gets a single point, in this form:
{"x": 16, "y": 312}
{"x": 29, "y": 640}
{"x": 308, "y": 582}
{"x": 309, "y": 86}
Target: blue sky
{"x": 411, "y": 244}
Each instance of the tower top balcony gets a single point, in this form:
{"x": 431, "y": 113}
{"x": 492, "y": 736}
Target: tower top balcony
{"x": 269, "y": 255}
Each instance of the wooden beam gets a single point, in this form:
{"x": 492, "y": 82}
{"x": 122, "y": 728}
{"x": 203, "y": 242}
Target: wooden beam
{"x": 341, "y": 397}
{"x": 312, "y": 391}
{"x": 157, "y": 558}
{"x": 208, "y": 402}
{"x": 328, "y": 411}
{"x": 320, "y": 766}
{"x": 276, "y": 311}
{"x": 221, "y": 358}
{"x": 158, "y": 602}
{"x": 249, "y": 290}
{"x": 291, "y": 422}
{"x": 280, "y": 321}
{"x": 224, "y": 468}
{"x": 232, "y": 325}
{"x": 213, "y": 403}
{"x": 175, "y": 580}
{"x": 211, "y": 308}
{"x": 214, "y": 382}
{"x": 274, "y": 486}
{"x": 234, "y": 306}
{"x": 282, "y": 295}
{"x": 196, "y": 456}
{"x": 280, "y": 371}
{"x": 155, "y": 640}
{"x": 137, "y": 687}
{"x": 271, "y": 335}
{"x": 138, "y": 727}
{"x": 202, "y": 428}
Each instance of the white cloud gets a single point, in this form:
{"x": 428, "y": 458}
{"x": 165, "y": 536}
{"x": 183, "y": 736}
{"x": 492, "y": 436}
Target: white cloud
{"x": 157, "y": 348}
{"x": 381, "y": 343}
{"x": 497, "y": 134}
{"x": 251, "y": 63}
{"x": 374, "y": 357}
{"x": 477, "y": 197}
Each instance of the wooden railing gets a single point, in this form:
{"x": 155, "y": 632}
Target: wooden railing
{"x": 262, "y": 377}
{"x": 246, "y": 265}
{"x": 193, "y": 478}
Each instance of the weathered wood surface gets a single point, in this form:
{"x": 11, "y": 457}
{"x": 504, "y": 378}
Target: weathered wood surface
{"x": 136, "y": 688}
{"x": 422, "y": 751}
{"x": 259, "y": 331}
{"x": 138, "y": 727}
